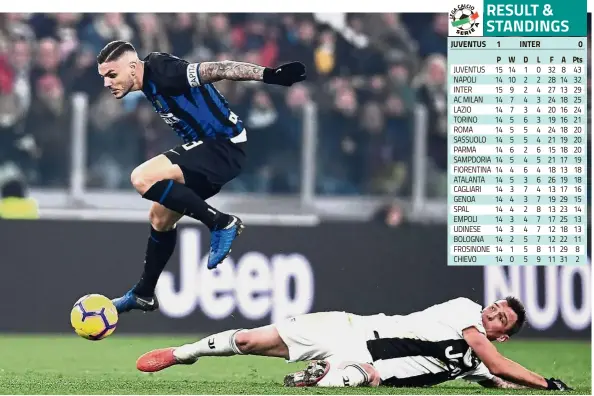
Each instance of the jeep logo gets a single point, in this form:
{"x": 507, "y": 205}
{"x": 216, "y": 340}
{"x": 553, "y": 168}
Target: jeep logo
{"x": 255, "y": 285}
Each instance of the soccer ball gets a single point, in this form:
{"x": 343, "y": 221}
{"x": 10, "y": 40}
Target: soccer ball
{"x": 94, "y": 317}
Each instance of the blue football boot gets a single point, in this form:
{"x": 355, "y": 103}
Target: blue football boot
{"x": 130, "y": 301}
{"x": 221, "y": 241}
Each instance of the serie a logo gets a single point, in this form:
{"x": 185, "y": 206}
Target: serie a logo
{"x": 464, "y": 19}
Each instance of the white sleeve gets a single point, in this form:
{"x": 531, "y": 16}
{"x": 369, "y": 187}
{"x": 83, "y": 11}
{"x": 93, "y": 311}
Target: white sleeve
{"x": 481, "y": 373}
{"x": 464, "y": 313}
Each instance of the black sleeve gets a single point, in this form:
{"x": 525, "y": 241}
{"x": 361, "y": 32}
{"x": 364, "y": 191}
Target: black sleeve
{"x": 171, "y": 73}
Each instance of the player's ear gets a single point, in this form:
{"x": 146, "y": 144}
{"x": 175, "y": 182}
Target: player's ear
{"x": 133, "y": 67}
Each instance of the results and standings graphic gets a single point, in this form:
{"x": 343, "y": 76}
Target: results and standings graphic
{"x": 517, "y": 133}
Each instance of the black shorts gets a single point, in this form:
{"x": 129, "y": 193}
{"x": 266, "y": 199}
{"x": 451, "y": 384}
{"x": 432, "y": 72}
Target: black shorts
{"x": 208, "y": 165}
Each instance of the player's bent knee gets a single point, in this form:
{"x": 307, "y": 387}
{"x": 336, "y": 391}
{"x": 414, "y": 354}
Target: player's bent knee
{"x": 141, "y": 181}
{"x": 245, "y": 341}
{"x": 372, "y": 374}
{"x": 146, "y": 175}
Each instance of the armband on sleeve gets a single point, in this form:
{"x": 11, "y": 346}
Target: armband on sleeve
{"x": 192, "y": 75}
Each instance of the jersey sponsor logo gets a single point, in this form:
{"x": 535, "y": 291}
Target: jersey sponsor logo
{"x": 460, "y": 363}
{"x": 450, "y": 355}
{"x": 457, "y": 357}
{"x": 192, "y": 75}
{"x": 254, "y": 285}
{"x": 169, "y": 118}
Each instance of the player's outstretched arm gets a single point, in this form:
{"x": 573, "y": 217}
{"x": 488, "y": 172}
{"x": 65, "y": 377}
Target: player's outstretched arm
{"x": 230, "y": 70}
{"x": 505, "y": 368}
{"x": 286, "y": 75}
{"x": 497, "y": 382}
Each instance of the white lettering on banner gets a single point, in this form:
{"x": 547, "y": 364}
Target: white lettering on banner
{"x": 576, "y": 318}
{"x": 257, "y": 286}
{"x": 541, "y": 317}
{"x": 253, "y": 295}
{"x": 560, "y": 293}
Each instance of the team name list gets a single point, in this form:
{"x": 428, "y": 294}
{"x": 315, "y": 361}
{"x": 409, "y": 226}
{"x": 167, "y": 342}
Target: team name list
{"x": 517, "y": 114}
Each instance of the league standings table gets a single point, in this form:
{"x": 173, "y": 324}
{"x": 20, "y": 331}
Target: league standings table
{"x": 517, "y": 133}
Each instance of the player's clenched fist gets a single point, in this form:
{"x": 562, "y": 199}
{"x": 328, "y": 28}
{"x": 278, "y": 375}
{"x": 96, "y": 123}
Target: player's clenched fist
{"x": 286, "y": 75}
{"x": 557, "y": 384}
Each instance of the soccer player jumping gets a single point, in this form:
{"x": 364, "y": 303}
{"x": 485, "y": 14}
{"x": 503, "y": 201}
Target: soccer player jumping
{"x": 179, "y": 181}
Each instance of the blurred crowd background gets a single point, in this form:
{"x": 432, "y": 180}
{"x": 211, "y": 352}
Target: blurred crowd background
{"x": 366, "y": 77}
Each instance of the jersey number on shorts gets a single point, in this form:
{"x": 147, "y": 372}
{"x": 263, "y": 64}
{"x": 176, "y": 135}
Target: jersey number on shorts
{"x": 191, "y": 145}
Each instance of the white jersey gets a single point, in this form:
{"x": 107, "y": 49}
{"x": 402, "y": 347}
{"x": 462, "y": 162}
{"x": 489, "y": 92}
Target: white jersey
{"x": 425, "y": 347}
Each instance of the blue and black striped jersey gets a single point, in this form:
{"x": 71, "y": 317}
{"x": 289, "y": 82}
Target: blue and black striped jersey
{"x": 194, "y": 110}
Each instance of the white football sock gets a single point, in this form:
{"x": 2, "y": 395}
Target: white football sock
{"x": 221, "y": 344}
{"x": 351, "y": 375}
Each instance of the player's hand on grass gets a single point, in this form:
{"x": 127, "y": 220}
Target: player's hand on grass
{"x": 557, "y": 385}
{"x": 286, "y": 74}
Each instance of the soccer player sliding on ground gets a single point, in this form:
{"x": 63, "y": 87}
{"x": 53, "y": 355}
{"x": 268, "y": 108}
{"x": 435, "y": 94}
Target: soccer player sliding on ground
{"x": 179, "y": 181}
{"x": 444, "y": 342}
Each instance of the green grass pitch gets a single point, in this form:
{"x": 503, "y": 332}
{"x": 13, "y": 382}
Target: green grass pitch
{"x": 68, "y": 364}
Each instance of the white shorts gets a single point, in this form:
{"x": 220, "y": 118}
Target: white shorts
{"x": 331, "y": 336}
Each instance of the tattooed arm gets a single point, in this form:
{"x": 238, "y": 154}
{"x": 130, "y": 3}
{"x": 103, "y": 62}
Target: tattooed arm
{"x": 497, "y": 382}
{"x": 210, "y": 72}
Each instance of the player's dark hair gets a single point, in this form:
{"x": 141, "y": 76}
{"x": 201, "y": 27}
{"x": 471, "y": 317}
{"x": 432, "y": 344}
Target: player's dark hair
{"x": 516, "y": 306}
{"x": 114, "y": 50}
